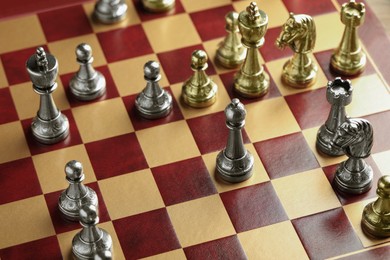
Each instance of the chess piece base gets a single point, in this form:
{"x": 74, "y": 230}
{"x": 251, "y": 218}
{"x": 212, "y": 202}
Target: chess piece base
{"x": 324, "y": 142}
{"x": 84, "y": 250}
{"x": 86, "y": 90}
{"x": 348, "y": 65}
{"x": 158, "y": 6}
{"x": 372, "y": 225}
{"x": 353, "y": 182}
{"x": 234, "y": 171}
{"x": 150, "y": 110}
{"x": 70, "y": 207}
{"x": 299, "y": 78}
{"x": 251, "y": 86}
{"x": 109, "y": 15}
{"x": 205, "y": 97}
{"x": 50, "y": 131}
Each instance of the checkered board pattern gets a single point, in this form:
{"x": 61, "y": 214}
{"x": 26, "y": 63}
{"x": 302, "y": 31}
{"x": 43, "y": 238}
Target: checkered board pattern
{"x": 158, "y": 194}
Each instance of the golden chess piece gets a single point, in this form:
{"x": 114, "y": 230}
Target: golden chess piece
{"x": 376, "y": 215}
{"x": 349, "y": 58}
{"x": 199, "y": 90}
{"x": 231, "y": 53}
{"x": 158, "y": 6}
{"x": 252, "y": 81}
{"x": 299, "y": 33}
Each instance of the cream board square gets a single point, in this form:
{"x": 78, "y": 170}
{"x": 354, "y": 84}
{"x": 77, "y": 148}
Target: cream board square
{"x": 171, "y": 255}
{"x": 329, "y": 31}
{"x": 129, "y": 83}
{"x": 167, "y": 143}
{"x": 200, "y": 220}
{"x": 52, "y": 175}
{"x": 13, "y": 143}
{"x": 21, "y": 33}
{"x": 382, "y": 161}
{"x": 198, "y": 5}
{"x": 24, "y": 220}
{"x": 131, "y": 194}
{"x": 305, "y": 193}
{"x": 102, "y": 120}
{"x": 277, "y": 241}
{"x": 268, "y": 119}
{"x": 171, "y": 33}
{"x": 3, "y": 78}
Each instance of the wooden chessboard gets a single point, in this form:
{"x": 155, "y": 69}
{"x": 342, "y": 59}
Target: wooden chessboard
{"x": 155, "y": 180}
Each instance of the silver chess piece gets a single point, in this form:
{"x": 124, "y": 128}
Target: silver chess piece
{"x": 355, "y": 137}
{"x": 231, "y": 53}
{"x": 50, "y": 125}
{"x": 87, "y": 83}
{"x": 91, "y": 242}
{"x": 110, "y": 11}
{"x": 339, "y": 95}
{"x": 153, "y": 102}
{"x": 235, "y": 162}
{"x": 77, "y": 194}
{"x": 158, "y": 6}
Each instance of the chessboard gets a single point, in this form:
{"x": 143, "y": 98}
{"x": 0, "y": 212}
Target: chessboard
{"x": 155, "y": 179}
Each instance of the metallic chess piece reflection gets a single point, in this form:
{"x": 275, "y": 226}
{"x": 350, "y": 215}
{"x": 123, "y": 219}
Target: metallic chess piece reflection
{"x": 235, "y": 162}
{"x": 355, "y": 137}
{"x": 87, "y": 83}
{"x": 50, "y": 125}
{"x": 77, "y": 194}
{"x": 376, "y": 215}
{"x": 338, "y": 94}
{"x": 252, "y": 81}
{"x": 199, "y": 90}
{"x": 153, "y": 102}
{"x": 349, "y": 58}
{"x": 231, "y": 53}
{"x": 110, "y": 11}
{"x": 157, "y": 6}
{"x": 299, "y": 33}
{"x": 91, "y": 242}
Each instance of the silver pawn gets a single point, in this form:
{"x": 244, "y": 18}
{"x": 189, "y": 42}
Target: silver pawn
{"x": 231, "y": 53}
{"x": 87, "y": 83}
{"x": 77, "y": 194}
{"x": 338, "y": 94}
{"x": 153, "y": 102}
{"x": 50, "y": 125}
{"x": 235, "y": 162}
{"x": 110, "y": 11}
{"x": 91, "y": 242}
{"x": 355, "y": 137}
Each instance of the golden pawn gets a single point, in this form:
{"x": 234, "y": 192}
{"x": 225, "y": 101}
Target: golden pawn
{"x": 376, "y": 215}
{"x": 252, "y": 81}
{"x": 158, "y": 6}
{"x": 299, "y": 33}
{"x": 199, "y": 90}
{"x": 349, "y": 58}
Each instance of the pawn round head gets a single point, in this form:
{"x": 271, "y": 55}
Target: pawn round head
{"x": 199, "y": 60}
{"x": 151, "y": 70}
{"x": 74, "y": 170}
{"x": 235, "y": 113}
{"x": 231, "y": 19}
{"x": 384, "y": 186}
{"x": 83, "y": 52}
{"x": 89, "y": 214}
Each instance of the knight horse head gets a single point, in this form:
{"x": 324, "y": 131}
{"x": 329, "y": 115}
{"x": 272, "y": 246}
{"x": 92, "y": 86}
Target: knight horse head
{"x": 299, "y": 32}
{"x": 355, "y": 136}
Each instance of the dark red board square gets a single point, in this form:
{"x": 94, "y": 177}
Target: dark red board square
{"x": 62, "y": 225}
{"x": 310, "y": 7}
{"x": 376, "y": 253}
{"x": 228, "y": 82}
{"x": 210, "y": 23}
{"x": 323, "y": 59}
{"x": 177, "y": 64}
{"x": 381, "y": 125}
{"x": 37, "y": 148}
{"x": 146, "y": 234}
{"x": 15, "y": 65}
{"x": 348, "y": 198}
{"x": 115, "y": 156}
{"x": 270, "y": 51}
{"x": 7, "y": 107}
{"x": 310, "y": 108}
{"x": 253, "y": 207}
{"x": 183, "y": 181}
{"x": 111, "y": 90}
{"x": 144, "y": 15}
{"x": 216, "y": 138}
{"x": 327, "y": 234}
{"x": 142, "y": 123}
{"x": 65, "y": 23}
{"x": 223, "y": 248}
{"x": 13, "y": 175}
{"x": 124, "y": 43}
{"x": 45, "y": 249}
{"x": 286, "y": 155}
